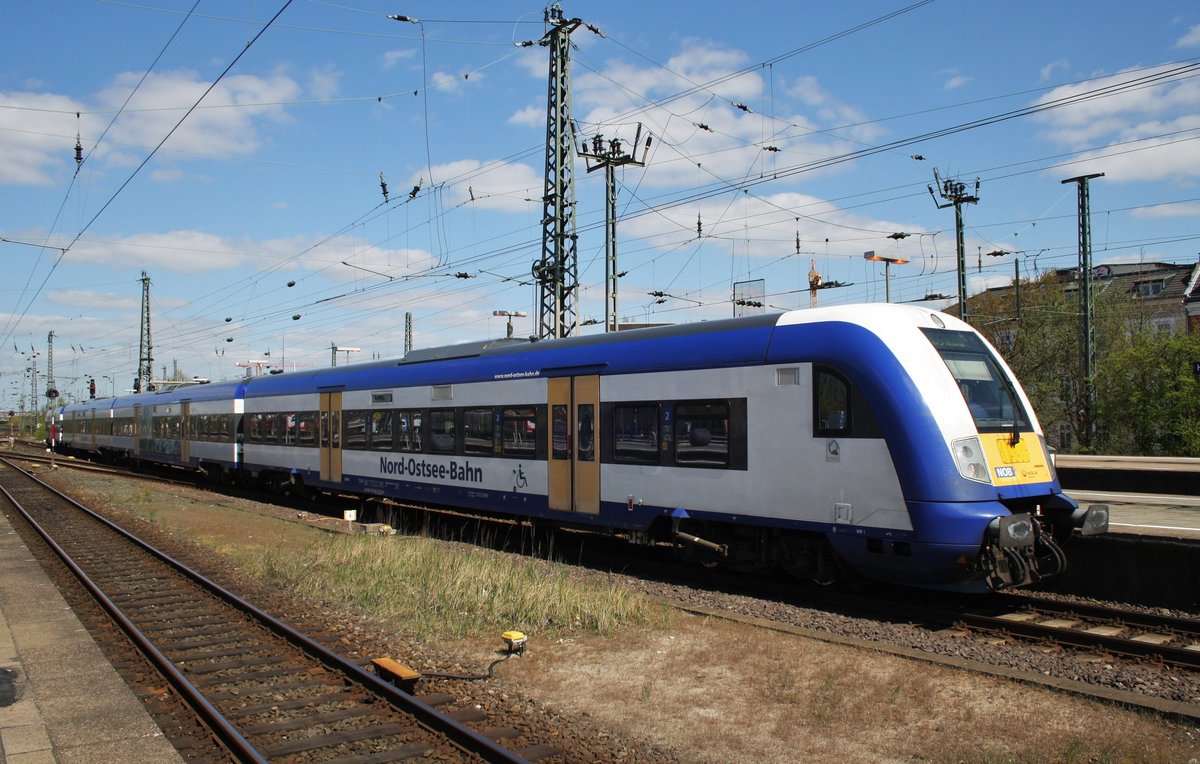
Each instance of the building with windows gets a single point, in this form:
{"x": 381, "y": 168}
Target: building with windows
{"x": 1168, "y": 295}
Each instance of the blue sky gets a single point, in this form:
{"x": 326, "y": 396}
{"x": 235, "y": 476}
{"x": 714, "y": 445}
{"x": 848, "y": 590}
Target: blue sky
{"x": 786, "y": 136}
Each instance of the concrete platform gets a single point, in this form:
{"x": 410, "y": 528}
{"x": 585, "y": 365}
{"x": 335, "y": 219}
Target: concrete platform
{"x": 1162, "y": 516}
{"x": 60, "y": 699}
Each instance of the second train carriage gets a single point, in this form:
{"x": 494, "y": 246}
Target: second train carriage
{"x": 888, "y": 439}
{"x": 191, "y": 426}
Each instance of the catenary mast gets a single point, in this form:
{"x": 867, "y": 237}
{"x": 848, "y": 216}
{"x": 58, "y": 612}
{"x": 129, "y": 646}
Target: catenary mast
{"x": 557, "y": 272}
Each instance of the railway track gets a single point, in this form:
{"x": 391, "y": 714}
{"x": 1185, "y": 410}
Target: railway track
{"x": 1166, "y": 639}
{"x": 267, "y": 692}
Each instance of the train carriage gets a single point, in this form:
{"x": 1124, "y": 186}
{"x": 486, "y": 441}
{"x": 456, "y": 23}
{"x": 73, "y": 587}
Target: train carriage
{"x": 890, "y": 441}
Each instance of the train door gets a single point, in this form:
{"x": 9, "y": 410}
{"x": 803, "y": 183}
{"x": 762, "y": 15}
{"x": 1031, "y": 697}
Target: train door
{"x": 574, "y": 450}
{"x": 92, "y": 425}
{"x": 185, "y": 434}
{"x": 136, "y": 431}
{"x": 330, "y": 436}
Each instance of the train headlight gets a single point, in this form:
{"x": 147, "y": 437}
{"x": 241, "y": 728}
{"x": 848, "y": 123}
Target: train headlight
{"x": 968, "y": 455}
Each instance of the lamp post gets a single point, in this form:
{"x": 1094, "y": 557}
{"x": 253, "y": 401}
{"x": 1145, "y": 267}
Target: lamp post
{"x": 509, "y": 314}
{"x": 887, "y": 270}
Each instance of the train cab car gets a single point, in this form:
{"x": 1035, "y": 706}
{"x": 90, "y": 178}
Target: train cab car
{"x": 975, "y": 502}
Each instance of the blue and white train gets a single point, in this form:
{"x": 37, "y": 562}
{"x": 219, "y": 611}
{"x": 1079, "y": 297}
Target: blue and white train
{"x": 890, "y": 441}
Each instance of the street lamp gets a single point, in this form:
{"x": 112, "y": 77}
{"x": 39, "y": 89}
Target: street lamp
{"x": 887, "y": 270}
{"x": 509, "y": 314}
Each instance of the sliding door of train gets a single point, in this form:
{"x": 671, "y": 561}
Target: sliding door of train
{"x": 185, "y": 433}
{"x": 330, "y": 436}
{"x": 136, "y": 431}
{"x": 574, "y": 449}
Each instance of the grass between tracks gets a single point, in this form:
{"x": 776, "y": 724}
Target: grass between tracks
{"x": 451, "y": 590}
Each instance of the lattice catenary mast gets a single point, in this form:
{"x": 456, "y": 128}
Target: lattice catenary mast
{"x": 145, "y": 348}
{"x": 557, "y": 272}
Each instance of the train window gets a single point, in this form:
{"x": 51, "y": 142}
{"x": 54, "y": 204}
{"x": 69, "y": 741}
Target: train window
{"x": 519, "y": 432}
{"x": 560, "y": 435}
{"x": 355, "y": 422}
{"x": 410, "y": 430}
{"x": 272, "y": 425}
{"x": 306, "y": 428}
{"x": 635, "y": 434}
{"x": 702, "y": 434}
{"x": 478, "y": 431}
{"x": 288, "y": 433}
{"x": 441, "y": 431}
{"x": 381, "y": 430}
{"x": 986, "y": 388}
{"x": 831, "y": 402}
{"x": 587, "y": 432}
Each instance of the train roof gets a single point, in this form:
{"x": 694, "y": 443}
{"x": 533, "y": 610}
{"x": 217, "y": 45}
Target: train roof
{"x": 709, "y": 344}
{"x": 728, "y": 342}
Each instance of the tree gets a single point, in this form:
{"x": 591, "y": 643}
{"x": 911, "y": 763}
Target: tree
{"x": 1148, "y": 397}
{"x": 1042, "y": 344}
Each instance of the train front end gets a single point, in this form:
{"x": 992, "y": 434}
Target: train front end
{"x": 1005, "y": 468}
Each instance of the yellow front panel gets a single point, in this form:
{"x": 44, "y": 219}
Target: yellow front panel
{"x": 1015, "y": 464}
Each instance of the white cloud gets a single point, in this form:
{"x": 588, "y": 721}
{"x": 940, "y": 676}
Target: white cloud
{"x": 89, "y": 300}
{"x": 35, "y": 129}
{"x": 495, "y": 185}
{"x": 179, "y": 251}
{"x": 1191, "y": 39}
{"x": 36, "y": 126}
{"x": 1167, "y": 211}
{"x": 448, "y": 82}
{"x": 227, "y": 123}
{"x": 1049, "y": 69}
{"x": 1134, "y": 134}
{"x": 955, "y": 82}
{"x": 325, "y": 82}
{"x": 530, "y": 116}
{"x": 167, "y": 174}
{"x": 393, "y": 57}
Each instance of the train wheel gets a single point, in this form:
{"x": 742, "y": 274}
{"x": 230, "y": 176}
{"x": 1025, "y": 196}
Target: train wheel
{"x": 811, "y": 559}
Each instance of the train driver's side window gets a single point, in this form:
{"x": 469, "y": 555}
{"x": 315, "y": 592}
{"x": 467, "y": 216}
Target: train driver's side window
{"x": 831, "y": 402}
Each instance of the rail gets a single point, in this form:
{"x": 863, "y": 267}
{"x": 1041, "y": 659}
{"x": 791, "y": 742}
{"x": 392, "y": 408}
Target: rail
{"x": 139, "y": 609}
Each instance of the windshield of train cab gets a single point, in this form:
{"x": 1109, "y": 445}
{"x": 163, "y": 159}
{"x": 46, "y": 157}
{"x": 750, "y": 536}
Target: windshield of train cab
{"x": 985, "y": 387}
